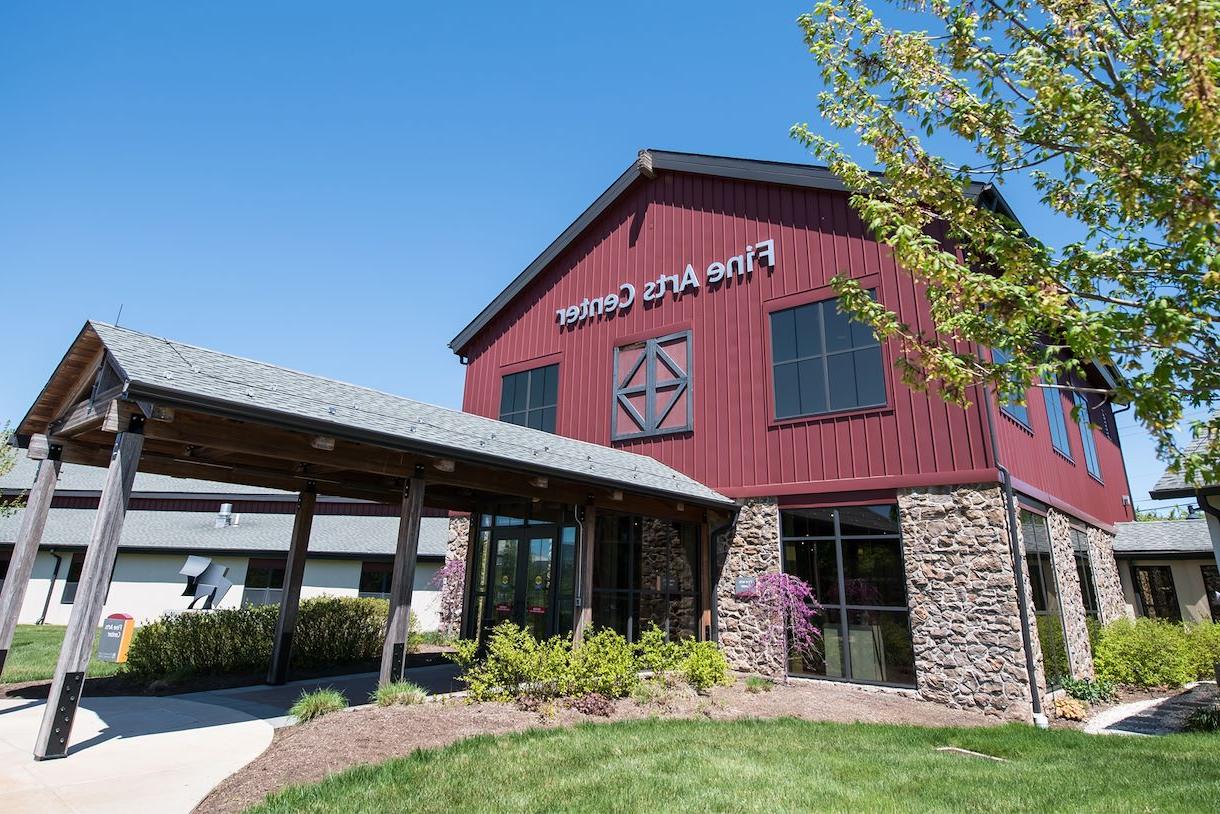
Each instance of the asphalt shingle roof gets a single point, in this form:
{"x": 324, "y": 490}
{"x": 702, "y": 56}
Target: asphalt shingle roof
{"x": 1163, "y": 537}
{"x": 156, "y": 366}
{"x": 196, "y": 532}
{"x": 1172, "y": 484}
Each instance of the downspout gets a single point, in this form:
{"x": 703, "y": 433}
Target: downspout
{"x": 46, "y": 606}
{"x": 1014, "y": 545}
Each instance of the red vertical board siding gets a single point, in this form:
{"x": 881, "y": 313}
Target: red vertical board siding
{"x": 660, "y": 225}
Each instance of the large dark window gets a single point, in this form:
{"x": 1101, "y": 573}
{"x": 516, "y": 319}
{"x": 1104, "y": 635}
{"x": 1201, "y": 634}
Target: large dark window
{"x": 73, "y": 578}
{"x": 375, "y": 579}
{"x": 1054, "y": 414}
{"x": 822, "y": 361}
{"x": 852, "y": 557}
{"x": 1084, "y": 570}
{"x": 1011, "y": 407}
{"x": 1087, "y": 441}
{"x": 1154, "y": 588}
{"x": 652, "y": 394}
{"x": 1048, "y": 608}
{"x": 645, "y": 572}
{"x": 529, "y": 398}
{"x": 264, "y": 582}
{"x": 1211, "y": 586}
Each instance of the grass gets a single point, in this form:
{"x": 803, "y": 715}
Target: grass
{"x": 34, "y": 653}
{"x": 403, "y": 693}
{"x": 781, "y": 765}
{"x": 317, "y": 703}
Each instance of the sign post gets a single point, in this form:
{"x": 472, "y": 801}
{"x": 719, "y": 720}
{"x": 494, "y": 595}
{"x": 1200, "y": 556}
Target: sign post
{"x": 115, "y": 638}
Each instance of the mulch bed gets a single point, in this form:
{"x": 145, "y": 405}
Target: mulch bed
{"x": 310, "y": 752}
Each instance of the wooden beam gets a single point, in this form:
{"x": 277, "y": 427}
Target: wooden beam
{"x": 290, "y": 596}
{"x": 25, "y": 549}
{"x": 103, "y": 546}
{"x": 402, "y": 583}
{"x": 584, "y": 613}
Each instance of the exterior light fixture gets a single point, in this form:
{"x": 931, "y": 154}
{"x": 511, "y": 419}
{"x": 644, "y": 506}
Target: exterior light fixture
{"x": 323, "y": 442}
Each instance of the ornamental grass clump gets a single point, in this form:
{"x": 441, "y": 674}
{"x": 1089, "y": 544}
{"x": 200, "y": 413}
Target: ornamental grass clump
{"x": 315, "y": 704}
{"x": 399, "y": 693}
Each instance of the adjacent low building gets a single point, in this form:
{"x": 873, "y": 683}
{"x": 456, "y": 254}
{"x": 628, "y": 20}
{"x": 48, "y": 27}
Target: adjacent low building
{"x": 244, "y": 529}
{"x": 1168, "y": 570}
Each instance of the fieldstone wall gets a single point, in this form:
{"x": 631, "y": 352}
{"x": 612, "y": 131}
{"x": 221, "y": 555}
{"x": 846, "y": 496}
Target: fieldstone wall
{"x": 965, "y": 622}
{"x": 453, "y": 588}
{"x": 1110, "y": 601}
{"x": 752, "y": 550}
{"x": 1075, "y": 627}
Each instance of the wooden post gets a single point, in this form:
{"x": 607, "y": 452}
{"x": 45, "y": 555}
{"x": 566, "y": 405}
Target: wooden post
{"x": 25, "y": 550}
{"x": 402, "y": 582}
{"x": 584, "y": 616}
{"x": 95, "y": 574}
{"x": 290, "y": 596}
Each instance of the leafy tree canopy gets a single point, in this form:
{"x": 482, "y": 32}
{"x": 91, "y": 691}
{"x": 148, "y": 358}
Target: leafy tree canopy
{"x": 1112, "y": 109}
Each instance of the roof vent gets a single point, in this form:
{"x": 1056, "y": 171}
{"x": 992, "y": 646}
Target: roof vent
{"x": 225, "y": 517}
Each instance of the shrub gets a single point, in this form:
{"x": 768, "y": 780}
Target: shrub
{"x": 704, "y": 665}
{"x": 655, "y": 653}
{"x": 1143, "y": 653}
{"x": 1204, "y": 720}
{"x": 1089, "y": 690}
{"x": 399, "y": 693}
{"x": 330, "y": 631}
{"x": 757, "y": 684}
{"x": 316, "y": 704}
{"x": 594, "y": 703}
{"x": 604, "y": 663}
{"x": 1054, "y": 648}
{"x": 1204, "y": 642}
{"x": 517, "y": 664}
{"x": 1071, "y": 709}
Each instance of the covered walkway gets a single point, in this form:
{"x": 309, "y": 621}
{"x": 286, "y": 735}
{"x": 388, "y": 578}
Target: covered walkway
{"x": 129, "y": 401}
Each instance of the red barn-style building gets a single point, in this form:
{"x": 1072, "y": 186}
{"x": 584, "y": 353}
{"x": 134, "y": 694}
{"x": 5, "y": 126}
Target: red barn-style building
{"x": 687, "y": 315}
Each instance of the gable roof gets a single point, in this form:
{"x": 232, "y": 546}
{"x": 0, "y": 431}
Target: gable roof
{"x": 1163, "y": 537}
{"x": 257, "y": 533}
{"x": 647, "y": 164}
{"x": 188, "y": 377}
{"x": 1172, "y": 484}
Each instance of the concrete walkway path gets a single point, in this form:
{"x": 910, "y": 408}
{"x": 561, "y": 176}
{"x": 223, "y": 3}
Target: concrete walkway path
{"x": 1152, "y": 716}
{"x": 158, "y": 755}
{"x": 128, "y": 755}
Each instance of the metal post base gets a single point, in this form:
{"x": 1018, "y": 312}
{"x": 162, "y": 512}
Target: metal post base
{"x": 65, "y": 712}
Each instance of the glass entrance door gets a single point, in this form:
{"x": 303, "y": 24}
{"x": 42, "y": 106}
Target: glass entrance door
{"x": 523, "y": 579}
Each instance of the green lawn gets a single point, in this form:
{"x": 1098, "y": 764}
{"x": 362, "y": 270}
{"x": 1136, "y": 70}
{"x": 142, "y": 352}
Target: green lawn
{"x": 779, "y": 766}
{"x": 34, "y": 653}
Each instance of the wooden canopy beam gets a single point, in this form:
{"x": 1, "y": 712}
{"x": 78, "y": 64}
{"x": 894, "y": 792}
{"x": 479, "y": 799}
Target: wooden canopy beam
{"x": 402, "y": 583}
{"x": 290, "y": 594}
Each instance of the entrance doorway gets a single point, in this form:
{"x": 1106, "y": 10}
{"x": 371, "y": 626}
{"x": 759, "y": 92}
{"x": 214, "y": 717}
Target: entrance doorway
{"x": 528, "y": 574}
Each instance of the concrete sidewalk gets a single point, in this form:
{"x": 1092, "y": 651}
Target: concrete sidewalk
{"x": 1154, "y": 716}
{"x": 146, "y": 754}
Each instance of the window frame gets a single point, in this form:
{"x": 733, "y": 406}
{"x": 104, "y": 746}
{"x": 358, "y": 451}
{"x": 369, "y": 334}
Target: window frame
{"x": 820, "y": 298}
{"x": 1014, "y": 410}
{"x": 527, "y": 371}
{"x": 1052, "y": 399}
{"x": 385, "y": 569}
{"x": 842, "y": 606}
{"x": 1088, "y": 442}
{"x": 1211, "y": 576}
{"x": 264, "y": 563}
{"x": 1083, "y": 556}
{"x": 649, "y": 358}
{"x": 1176, "y": 615}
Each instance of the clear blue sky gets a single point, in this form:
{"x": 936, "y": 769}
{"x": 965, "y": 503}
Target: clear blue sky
{"x": 340, "y": 187}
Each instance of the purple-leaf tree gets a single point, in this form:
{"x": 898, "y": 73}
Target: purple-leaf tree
{"x": 450, "y": 580}
{"x": 786, "y": 607}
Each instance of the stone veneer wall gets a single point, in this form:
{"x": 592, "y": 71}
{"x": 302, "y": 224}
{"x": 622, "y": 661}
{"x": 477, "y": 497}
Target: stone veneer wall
{"x": 1075, "y": 626}
{"x": 753, "y": 549}
{"x": 965, "y": 622}
{"x": 1110, "y": 601}
{"x": 453, "y": 592}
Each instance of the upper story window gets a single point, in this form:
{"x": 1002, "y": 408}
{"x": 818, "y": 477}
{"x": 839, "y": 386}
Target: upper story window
{"x": 822, "y": 361}
{"x": 1012, "y": 408}
{"x": 1087, "y": 442}
{"x": 529, "y": 398}
{"x": 652, "y": 387}
{"x": 1055, "y": 415}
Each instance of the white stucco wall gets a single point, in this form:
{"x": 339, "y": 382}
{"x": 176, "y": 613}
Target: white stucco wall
{"x": 148, "y": 585}
{"x": 1187, "y": 583}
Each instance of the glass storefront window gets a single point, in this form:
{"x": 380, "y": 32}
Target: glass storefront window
{"x": 852, "y": 558}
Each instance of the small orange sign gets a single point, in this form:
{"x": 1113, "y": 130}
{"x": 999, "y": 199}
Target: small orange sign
{"x": 115, "y": 639}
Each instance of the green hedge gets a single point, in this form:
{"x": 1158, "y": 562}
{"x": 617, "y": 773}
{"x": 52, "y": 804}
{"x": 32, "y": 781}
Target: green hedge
{"x": 330, "y": 631}
{"x": 1155, "y": 653}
